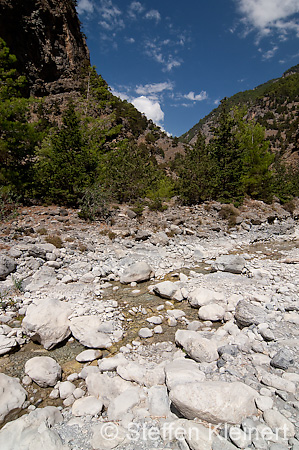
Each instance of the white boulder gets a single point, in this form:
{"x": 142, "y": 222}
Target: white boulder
{"x": 45, "y": 371}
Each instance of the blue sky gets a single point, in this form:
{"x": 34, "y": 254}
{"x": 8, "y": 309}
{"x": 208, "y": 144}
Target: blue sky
{"x": 175, "y": 59}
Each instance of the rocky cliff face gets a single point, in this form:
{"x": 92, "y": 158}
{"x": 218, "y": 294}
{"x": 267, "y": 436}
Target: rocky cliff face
{"x": 45, "y": 36}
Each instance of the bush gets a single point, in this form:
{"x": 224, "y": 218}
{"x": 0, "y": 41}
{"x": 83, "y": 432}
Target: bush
{"x": 94, "y": 204}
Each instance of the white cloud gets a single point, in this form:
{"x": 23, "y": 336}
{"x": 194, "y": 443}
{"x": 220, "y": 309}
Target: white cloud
{"x": 153, "y": 14}
{"x": 110, "y": 16}
{"x": 267, "y": 16}
{"x": 121, "y": 95}
{"x": 154, "y": 88}
{"x": 150, "y": 108}
{"x": 134, "y": 9}
{"x": 155, "y": 50}
{"x": 85, "y": 6}
{"x": 270, "y": 53}
{"x": 196, "y": 98}
{"x": 130, "y": 40}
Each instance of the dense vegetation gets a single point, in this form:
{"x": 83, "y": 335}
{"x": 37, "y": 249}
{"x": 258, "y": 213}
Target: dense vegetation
{"x": 87, "y": 152}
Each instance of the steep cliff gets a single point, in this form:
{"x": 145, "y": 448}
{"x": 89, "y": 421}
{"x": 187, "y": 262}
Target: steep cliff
{"x": 46, "y": 38}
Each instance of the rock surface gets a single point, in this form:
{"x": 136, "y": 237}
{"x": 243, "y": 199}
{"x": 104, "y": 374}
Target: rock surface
{"x": 43, "y": 370}
{"x": 12, "y": 395}
{"x": 47, "y": 322}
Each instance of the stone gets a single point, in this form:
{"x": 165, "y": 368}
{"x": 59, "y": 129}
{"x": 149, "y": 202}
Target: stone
{"x": 66, "y": 388}
{"x": 89, "y": 355}
{"x": 239, "y": 437}
{"x": 229, "y": 263}
{"x": 124, "y": 402}
{"x": 12, "y": 395}
{"x": 33, "y": 431}
{"x": 215, "y": 401}
{"x": 202, "y": 296}
{"x": 197, "y": 436}
{"x": 132, "y": 371}
{"x": 277, "y": 382}
{"x": 197, "y": 347}
{"x": 155, "y": 320}
{"x": 107, "y": 436}
{"x": 145, "y": 333}
{"x": 159, "y": 403}
{"x": 87, "y": 406}
{"x": 110, "y": 364}
{"x": 106, "y": 388}
{"x": 182, "y": 371}
{"x": 283, "y": 359}
{"x": 7, "y": 265}
{"x": 138, "y": 272}
{"x": 166, "y": 289}
{"x": 47, "y": 322}
{"x": 247, "y": 314}
{"x": 211, "y": 312}
{"x": 219, "y": 443}
{"x": 43, "y": 370}
{"x": 264, "y": 403}
{"x": 279, "y": 423}
{"x": 7, "y": 344}
{"x": 86, "y": 330}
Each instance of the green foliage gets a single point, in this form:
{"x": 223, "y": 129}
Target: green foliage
{"x": 129, "y": 171}
{"x": 65, "y": 167}
{"x": 94, "y": 204}
{"x": 235, "y": 163}
{"x": 18, "y": 136}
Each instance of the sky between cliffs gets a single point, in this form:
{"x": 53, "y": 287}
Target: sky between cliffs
{"x": 175, "y": 60}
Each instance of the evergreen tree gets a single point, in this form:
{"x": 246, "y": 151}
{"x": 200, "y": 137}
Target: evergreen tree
{"x": 65, "y": 167}
{"x": 226, "y": 156}
{"x": 18, "y": 137}
{"x": 195, "y": 183}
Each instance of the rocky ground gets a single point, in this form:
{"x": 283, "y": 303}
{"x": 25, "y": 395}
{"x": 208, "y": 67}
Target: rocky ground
{"x": 176, "y": 330}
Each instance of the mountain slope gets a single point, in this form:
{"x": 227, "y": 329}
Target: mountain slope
{"x": 274, "y": 104}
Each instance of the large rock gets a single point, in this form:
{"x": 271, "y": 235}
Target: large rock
{"x": 43, "y": 370}
{"x": 213, "y": 312}
{"x": 106, "y": 388}
{"x": 132, "y": 371}
{"x": 197, "y": 347}
{"x": 279, "y": 423}
{"x": 247, "y": 314}
{"x": 137, "y": 272}
{"x": 47, "y": 322}
{"x": 182, "y": 371}
{"x": 86, "y": 330}
{"x": 87, "y": 406}
{"x": 166, "y": 289}
{"x": 123, "y": 403}
{"x": 229, "y": 263}
{"x": 12, "y": 395}
{"x": 7, "y": 344}
{"x": 7, "y": 265}
{"x": 33, "y": 431}
{"x": 159, "y": 403}
{"x": 215, "y": 402}
{"x": 201, "y": 296}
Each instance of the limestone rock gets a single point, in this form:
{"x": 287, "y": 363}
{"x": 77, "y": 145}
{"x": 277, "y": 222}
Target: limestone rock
{"x": 86, "y": 330}
{"x": 279, "y": 423}
{"x": 47, "y": 322}
{"x": 87, "y": 406}
{"x": 43, "y": 370}
{"x": 139, "y": 271}
{"x": 229, "y": 263}
{"x": 33, "y": 431}
{"x": 211, "y": 312}
{"x": 215, "y": 401}
{"x": 197, "y": 347}
{"x": 247, "y": 314}
{"x": 182, "y": 371}
{"x": 12, "y": 395}
{"x": 7, "y": 265}
{"x": 202, "y": 296}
